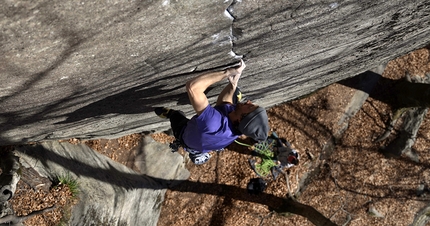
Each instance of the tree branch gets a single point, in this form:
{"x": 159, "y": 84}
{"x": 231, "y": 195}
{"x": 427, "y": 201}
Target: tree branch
{"x": 15, "y": 220}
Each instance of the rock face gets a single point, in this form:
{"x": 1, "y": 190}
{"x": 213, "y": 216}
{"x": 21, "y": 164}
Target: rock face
{"x": 109, "y": 192}
{"x": 90, "y": 69}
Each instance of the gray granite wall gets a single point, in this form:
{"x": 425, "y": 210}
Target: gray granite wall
{"x": 90, "y": 69}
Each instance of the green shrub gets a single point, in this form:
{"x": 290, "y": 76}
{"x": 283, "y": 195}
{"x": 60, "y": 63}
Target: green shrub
{"x": 70, "y": 182}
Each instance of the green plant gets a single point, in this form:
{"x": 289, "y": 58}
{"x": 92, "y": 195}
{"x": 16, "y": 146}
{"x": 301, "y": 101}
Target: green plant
{"x": 265, "y": 152}
{"x": 70, "y": 182}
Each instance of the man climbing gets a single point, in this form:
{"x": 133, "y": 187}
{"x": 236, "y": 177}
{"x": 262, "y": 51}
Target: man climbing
{"x": 213, "y": 128}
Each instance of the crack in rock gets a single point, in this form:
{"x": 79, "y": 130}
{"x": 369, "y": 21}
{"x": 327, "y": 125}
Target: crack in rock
{"x": 233, "y": 32}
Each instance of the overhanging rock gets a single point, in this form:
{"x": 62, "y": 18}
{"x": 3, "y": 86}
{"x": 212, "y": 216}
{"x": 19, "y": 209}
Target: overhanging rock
{"x": 96, "y": 69}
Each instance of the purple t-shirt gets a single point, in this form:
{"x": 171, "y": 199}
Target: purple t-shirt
{"x": 211, "y": 130}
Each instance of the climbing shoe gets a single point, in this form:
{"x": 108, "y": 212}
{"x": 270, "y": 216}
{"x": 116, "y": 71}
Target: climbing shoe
{"x": 163, "y": 112}
{"x": 200, "y": 158}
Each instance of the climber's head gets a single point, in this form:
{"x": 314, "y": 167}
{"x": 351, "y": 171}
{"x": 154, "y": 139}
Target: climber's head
{"x": 252, "y": 120}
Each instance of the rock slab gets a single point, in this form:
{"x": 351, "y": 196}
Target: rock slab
{"x": 110, "y": 193}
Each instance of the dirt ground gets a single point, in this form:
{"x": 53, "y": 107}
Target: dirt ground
{"x": 352, "y": 180}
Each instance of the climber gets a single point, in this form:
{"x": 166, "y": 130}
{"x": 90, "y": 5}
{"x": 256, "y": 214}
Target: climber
{"x": 213, "y": 128}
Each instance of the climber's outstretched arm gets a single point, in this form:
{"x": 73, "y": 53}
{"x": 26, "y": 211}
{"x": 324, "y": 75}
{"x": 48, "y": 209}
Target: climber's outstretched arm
{"x": 226, "y": 96}
{"x": 197, "y": 86}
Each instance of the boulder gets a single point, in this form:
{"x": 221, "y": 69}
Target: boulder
{"x": 109, "y": 192}
{"x": 96, "y": 69}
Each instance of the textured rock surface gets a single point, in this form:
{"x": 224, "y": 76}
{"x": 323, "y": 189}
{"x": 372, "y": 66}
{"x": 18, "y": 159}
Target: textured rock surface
{"x": 96, "y": 69}
{"x": 110, "y": 193}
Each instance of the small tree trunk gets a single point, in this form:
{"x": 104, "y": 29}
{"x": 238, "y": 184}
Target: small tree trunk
{"x": 410, "y": 94}
{"x": 12, "y": 220}
{"x": 414, "y": 99}
{"x": 406, "y": 138}
{"x": 9, "y": 177}
{"x": 422, "y": 217}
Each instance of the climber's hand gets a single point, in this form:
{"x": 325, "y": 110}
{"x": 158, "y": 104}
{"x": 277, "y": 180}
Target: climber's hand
{"x": 235, "y": 73}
